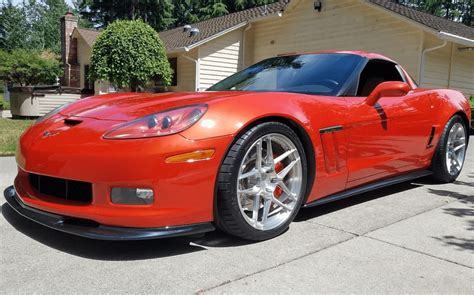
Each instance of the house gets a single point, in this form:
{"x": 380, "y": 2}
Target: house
{"x": 435, "y": 51}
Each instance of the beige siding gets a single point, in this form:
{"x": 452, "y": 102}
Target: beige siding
{"x": 83, "y": 57}
{"x": 342, "y": 25}
{"x": 448, "y": 67}
{"x": 219, "y": 59}
{"x": 462, "y": 71}
{"x": 186, "y": 71}
{"x": 436, "y": 68}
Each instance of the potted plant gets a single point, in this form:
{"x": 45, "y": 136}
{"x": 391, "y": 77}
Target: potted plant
{"x": 24, "y": 69}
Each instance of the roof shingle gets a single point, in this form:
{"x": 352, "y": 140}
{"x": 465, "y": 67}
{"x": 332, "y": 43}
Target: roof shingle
{"x": 434, "y": 22}
{"x": 176, "y": 38}
{"x": 89, "y": 35}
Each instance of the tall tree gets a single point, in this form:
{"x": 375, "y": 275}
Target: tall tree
{"x": 32, "y": 24}
{"x": 44, "y": 19}
{"x": 456, "y": 10}
{"x": 13, "y": 27}
{"x": 157, "y": 13}
{"x": 186, "y": 12}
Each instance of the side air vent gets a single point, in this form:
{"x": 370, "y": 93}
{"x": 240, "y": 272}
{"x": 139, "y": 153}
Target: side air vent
{"x": 430, "y": 141}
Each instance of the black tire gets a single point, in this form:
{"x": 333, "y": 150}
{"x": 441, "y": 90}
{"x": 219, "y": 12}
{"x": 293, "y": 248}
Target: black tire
{"x": 438, "y": 165}
{"x": 228, "y": 215}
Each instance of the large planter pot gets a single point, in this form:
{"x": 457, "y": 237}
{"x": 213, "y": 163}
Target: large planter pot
{"x": 32, "y": 102}
{"x": 23, "y": 103}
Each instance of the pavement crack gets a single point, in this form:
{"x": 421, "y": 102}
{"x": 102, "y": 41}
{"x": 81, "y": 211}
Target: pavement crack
{"x": 419, "y": 252}
{"x": 335, "y": 228}
{"x": 273, "y": 267}
{"x": 391, "y": 223}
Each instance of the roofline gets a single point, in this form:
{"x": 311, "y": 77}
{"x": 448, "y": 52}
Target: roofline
{"x": 76, "y": 31}
{"x": 440, "y": 34}
{"x": 456, "y": 39}
{"x": 222, "y": 33}
{"x": 210, "y": 38}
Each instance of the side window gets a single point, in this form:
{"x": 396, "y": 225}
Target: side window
{"x": 376, "y": 72}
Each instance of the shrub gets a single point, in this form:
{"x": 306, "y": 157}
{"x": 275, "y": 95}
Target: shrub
{"x": 129, "y": 54}
{"x": 26, "y": 67}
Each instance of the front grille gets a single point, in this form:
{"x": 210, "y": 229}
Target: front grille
{"x": 66, "y": 189}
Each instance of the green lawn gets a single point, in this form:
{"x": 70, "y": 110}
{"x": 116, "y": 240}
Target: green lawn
{"x": 10, "y": 131}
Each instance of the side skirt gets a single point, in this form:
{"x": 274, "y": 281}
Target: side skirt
{"x": 369, "y": 187}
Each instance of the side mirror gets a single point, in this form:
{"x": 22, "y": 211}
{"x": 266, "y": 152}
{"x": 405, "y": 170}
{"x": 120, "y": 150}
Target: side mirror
{"x": 387, "y": 89}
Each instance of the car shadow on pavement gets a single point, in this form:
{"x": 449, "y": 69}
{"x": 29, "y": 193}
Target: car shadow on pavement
{"x": 97, "y": 249}
{"x": 117, "y": 250}
{"x": 313, "y": 212}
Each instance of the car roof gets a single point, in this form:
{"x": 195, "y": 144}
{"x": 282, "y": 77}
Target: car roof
{"x": 369, "y": 55}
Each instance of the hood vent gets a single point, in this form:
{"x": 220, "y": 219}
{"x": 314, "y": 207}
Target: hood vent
{"x": 72, "y": 122}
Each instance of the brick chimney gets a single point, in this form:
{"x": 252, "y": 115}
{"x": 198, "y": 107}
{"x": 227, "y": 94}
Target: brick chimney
{"x": 69, "y": 49}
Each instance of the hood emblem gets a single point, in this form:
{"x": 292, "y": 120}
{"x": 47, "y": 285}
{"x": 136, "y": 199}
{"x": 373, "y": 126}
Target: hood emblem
{"x": 48, "y": 133}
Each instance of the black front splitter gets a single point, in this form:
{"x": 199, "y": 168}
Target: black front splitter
{"x": 92, "y": 230}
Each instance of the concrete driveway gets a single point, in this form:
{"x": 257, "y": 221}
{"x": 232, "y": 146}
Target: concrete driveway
{"x": 410, "y": 238}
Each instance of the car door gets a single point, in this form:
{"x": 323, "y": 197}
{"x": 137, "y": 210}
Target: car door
{"x": 389, "y": 137}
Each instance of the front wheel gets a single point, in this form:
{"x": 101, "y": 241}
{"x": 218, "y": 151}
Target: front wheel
{"x": 262, "y": 182}
{"x": 451, "y": 152}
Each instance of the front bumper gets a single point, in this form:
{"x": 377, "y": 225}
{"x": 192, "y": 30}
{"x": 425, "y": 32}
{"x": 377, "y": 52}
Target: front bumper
{"x": 93, "y": 230}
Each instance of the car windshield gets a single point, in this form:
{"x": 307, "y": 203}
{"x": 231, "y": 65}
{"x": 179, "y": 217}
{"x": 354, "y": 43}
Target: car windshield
{"x": 318, "y": 74}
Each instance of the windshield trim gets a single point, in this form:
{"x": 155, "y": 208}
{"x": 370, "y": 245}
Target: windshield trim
{"x": 340, "y": 92}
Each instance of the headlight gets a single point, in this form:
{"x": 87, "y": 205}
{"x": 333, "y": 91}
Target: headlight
{"x": 159, "y": 124}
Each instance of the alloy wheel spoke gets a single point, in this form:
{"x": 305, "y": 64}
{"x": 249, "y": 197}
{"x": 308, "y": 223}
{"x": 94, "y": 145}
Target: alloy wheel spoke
{"x": 266, "y": 210}
{"x": 258, "y": 161}
{"x": 287, "y": 169}
{"x": 251, "y": 173}
{"x": 279, "y": 203}
{"x": 247, "y": 191}
{"x": 256, "y": 208}
{"x": 287, "y": 191}
{"x": 269, "y": 157}
{"x": 283, "y": 156}
{"x": 458, "y": 147}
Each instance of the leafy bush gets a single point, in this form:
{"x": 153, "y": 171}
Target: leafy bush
{"x": 129, "y": 54}
{"x": 26, "y": 67}
{"x": 4, "y": 105}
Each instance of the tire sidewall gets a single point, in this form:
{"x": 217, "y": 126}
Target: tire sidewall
{"x": 256, "y": 133}
{"x": 440, "y": 167}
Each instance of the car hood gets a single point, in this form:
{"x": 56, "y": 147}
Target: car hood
{"x": 130, "y": 106}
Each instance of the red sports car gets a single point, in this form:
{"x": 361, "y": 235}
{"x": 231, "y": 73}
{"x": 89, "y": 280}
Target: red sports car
{"x": 289, "y": 132}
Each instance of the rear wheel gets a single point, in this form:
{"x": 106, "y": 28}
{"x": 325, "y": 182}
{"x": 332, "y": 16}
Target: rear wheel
{"x": 449, "y": 158}
{"x": 262, "y": 182}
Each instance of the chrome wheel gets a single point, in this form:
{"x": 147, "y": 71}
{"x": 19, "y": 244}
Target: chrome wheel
{"x": 456, "y": 148}
{"x": 269, "y": 183}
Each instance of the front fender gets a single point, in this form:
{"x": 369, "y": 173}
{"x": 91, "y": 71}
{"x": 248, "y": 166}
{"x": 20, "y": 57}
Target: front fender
{"x": 230, "y": 116}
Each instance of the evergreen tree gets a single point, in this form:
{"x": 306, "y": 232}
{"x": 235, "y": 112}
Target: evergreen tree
{"x": 186, "y": 12}
{"x": 157, "y": 13}
{"x": 13, "y": 27}
{"x": 456, "y": 10}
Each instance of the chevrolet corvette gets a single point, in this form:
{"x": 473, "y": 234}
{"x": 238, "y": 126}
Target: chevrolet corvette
{"x": 244, "y": 156}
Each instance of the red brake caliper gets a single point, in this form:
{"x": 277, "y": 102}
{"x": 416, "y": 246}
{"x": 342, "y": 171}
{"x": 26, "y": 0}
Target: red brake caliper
{"x": 278, "y": 168}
